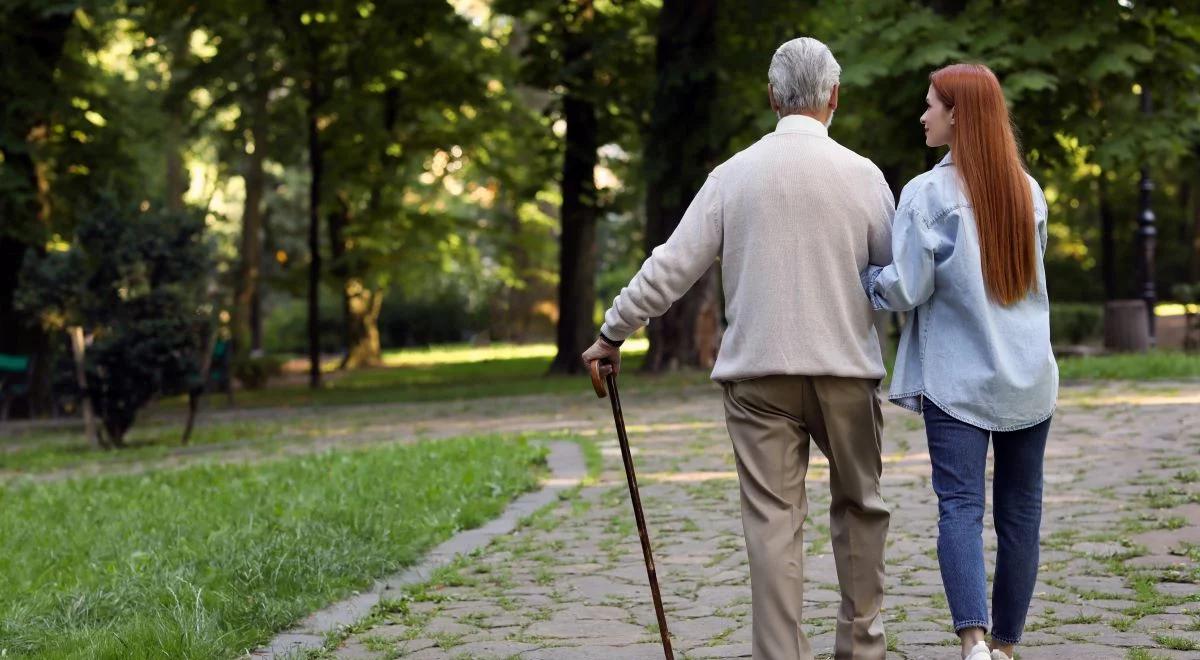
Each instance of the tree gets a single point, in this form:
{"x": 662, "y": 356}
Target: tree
{"x": 592, "y": 58}
{"x": 134, "y": 280}
{"x": 35, "y": 37}
{"x": 682, "y": 145}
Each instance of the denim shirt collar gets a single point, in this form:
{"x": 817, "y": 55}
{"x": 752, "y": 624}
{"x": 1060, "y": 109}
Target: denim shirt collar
{"x": 801, "y": 124}
{"x": 946, "y": 160}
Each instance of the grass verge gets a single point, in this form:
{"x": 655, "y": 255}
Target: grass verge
{"x": 1155, "y": 365}
{"x": 209, "y": 561}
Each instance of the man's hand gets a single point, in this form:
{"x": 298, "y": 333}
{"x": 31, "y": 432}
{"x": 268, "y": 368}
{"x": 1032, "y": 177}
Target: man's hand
{"x": 605, "y": 352}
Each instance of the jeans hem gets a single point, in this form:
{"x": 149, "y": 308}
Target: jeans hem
{"x": 960, "y": 625}
{"x": 1006, "y": 640}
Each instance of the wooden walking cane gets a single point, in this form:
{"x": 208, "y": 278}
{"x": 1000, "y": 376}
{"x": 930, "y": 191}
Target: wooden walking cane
{"x": 619, "y": 419}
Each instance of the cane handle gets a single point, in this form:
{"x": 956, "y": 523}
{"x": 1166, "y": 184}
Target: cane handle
{"x": 597, "y": 379}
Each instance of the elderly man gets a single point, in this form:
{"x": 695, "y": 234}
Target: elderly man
{"x": 794, "y": 218}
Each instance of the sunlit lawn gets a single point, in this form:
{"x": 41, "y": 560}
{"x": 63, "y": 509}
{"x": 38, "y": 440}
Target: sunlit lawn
{"x": 65, "y": 447}
{"x": 448, "y": 373}
{"x": 443, "y": 373}
{"x": 437, "y": 374}
{"x": 1154, "y": 365}
{"x": 208, "y": 561}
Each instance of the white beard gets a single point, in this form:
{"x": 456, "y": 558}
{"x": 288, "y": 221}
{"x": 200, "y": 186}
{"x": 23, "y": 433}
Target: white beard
{"x": 829, "y": 121}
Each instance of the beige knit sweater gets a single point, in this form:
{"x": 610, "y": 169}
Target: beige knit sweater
{"x": 794, "y": 219}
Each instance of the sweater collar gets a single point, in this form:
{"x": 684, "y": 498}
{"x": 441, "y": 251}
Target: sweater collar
{"x": 801, "y": 124}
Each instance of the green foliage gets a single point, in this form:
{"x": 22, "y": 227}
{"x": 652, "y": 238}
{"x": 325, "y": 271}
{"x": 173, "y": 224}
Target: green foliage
{"x": 1188, "y": 294}
{"x": 437, "y": 317}
{"x": 208, "y": 561}
{"x": 437, "y": 122}
{"x": 285, "y": 329}
{"x": 1075, "y": 323}
{"x": 253, "y": 372}
{"x": 134, "y": 279}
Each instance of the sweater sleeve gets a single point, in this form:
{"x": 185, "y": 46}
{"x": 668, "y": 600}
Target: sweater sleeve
{"x": 879, "y": 233}
{"x": 672, "y": 267}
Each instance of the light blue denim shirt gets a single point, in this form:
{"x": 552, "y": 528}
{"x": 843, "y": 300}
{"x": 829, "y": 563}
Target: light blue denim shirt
{"x": 980, "y": 362}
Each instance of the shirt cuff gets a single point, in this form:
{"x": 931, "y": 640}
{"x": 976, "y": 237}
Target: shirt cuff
{"x": 615, "y": 343}
{"x": 869, "y": 277}
{"x": 608, "y": 332}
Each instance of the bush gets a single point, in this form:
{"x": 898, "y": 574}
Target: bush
{"x": 285, "y": 328}
{"x": 440, "y": 319}
{"x": 1075, "y": 323}
{"x": 254, "y": 372}
{"x": 134, "y": 280}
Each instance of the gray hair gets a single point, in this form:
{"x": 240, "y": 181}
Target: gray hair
{"x": 803, "y": 73}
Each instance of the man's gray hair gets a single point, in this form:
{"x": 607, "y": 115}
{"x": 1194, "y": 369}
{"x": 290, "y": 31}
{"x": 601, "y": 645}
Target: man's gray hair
{"x": 803, "y": 73}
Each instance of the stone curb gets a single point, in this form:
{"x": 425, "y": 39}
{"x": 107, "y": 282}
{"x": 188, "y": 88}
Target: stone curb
{"x": 567, "y": 470}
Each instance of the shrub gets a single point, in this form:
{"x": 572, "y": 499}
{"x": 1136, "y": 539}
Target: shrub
{"x": 1075, "y": 323}
{"x": 254, "y": 372}
{"x": 135, "y": 281}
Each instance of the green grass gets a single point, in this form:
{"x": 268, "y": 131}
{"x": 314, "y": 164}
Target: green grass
{"x": 1177, "y": 643}
{"x": 209, "y": 561}
{"x": 44, "y": 450}
{"x": 1155, "y": 365}
{"x": 452, "y": 373}
{"x": 443, "y": 373}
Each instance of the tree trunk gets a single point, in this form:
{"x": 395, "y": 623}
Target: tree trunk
{"x": 1195, "y": 270}
{"x": 577, "y": 252}
{"x": 680, "y": 154}
{"x": 198, "y": 391}
{"x": 339, "y": 219}
{"x": 362, "y": 325}
{"x": 1108, "y": 254}
{"x": 250, "y": 269}
{"x": 314, "y": 231}
{"x": 78, "y": 348}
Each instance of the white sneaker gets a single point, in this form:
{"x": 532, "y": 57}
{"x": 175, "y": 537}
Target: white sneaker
{"x": 1000, "y": 655}
{"x": 979, "y": 652}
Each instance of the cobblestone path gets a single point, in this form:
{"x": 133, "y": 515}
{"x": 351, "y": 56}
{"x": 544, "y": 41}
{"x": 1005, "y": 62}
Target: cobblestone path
{"x": 1120, "y": 574}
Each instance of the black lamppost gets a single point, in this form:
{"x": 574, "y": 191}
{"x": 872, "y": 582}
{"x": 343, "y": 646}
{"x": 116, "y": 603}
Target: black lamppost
{"x": 1146, "y": 234}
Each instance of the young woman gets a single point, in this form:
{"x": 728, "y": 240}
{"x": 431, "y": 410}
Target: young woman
{"x": 974, "y": 358}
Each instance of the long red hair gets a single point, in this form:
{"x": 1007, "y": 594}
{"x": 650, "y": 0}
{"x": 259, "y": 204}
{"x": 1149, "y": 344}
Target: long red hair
{"x": 989, "y": 162}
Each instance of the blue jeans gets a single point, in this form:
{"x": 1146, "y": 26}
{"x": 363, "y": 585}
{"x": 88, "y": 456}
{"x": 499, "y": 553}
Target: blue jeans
{"x": 958, "y": 452}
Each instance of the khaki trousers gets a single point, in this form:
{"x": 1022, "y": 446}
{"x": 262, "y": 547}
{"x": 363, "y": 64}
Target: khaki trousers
{"x": 770, "y": 421}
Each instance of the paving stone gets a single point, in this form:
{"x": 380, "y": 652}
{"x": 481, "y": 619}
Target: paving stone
{"x": 632, "y": 652}
{"x": 919, "y": 637}
{"x": 1182, "y": 589}
{"x": 431, "y": 653}
{"x": 703, "y": 628}
{"x": 489, "y": 650}
{"x": 1099, "y": 633}
{"x": 616, "y": 632}
{"x": 1157, "y": 623}
{"x": 1072, "y": 650}
{"x": 586, "y": 596}
{"x": 352, "y": 650}
{"x": 444, "y": 626}
{"x": 726, "y": 651}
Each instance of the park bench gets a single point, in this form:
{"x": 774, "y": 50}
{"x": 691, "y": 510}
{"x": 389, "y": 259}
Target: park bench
{"x": 16, "y": 375}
